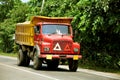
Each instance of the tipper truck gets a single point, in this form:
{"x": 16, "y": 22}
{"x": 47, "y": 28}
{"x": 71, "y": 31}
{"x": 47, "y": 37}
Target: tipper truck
{"x": 47, "y": 40}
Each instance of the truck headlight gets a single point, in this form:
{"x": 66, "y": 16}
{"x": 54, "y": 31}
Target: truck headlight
{"x": 46, "y": 49}
{"x": 76, "y": 49}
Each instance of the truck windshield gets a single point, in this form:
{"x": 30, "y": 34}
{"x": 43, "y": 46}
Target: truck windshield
{"x": 55, "y": 29}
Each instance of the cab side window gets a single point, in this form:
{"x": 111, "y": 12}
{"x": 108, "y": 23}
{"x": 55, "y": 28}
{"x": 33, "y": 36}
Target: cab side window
{"x": 37, "y": 29}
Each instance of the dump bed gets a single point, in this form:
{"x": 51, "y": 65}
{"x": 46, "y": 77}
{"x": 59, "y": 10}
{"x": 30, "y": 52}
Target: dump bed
{"x": 24, "y": 34}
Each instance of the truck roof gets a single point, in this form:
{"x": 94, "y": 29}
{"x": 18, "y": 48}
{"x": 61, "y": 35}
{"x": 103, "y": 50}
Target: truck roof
{"x": 36, "y": 19}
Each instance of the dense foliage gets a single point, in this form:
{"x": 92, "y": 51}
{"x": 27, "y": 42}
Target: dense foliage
{"x": 96, "y": 25}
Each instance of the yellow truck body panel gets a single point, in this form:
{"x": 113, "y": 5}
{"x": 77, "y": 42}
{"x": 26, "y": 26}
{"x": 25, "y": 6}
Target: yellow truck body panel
{"x": 37, "y": 19}
{"x": 24, "y": 34}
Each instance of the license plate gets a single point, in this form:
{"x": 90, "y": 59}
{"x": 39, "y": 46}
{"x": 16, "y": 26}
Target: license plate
{"x": 49, "y": 57}
{"x": 75, "y": 57}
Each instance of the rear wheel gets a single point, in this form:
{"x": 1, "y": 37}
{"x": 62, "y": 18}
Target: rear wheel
{"x": 21, "y": 58}
{"x": 27, "y": 61}
{"x": 37, "y": 62}
{"x": 73, "y": 65}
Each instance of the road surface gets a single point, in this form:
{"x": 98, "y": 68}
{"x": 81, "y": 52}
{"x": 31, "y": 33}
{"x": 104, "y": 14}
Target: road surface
{"x": 10, "y": 71}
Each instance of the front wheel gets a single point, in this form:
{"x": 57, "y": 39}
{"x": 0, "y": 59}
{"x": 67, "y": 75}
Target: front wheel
{"x": 73, "y": 65}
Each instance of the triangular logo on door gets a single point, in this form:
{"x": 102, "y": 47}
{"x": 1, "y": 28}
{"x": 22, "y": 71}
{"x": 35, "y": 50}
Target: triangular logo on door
{"x": 57, "y": 47}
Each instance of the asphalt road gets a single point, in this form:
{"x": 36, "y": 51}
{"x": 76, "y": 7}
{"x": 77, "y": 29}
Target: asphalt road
{"x": 10, "y": 71}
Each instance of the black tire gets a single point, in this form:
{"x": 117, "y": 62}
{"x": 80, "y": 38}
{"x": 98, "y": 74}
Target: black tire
{"x": 52, "y": 64}
{"x": 37, "y": 63}
{"x": 27, "y": 61}
{"x": 73, "y": 65}
{"x": 21, "y": 58}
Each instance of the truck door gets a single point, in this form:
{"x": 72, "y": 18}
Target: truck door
{"x": 37, "y": 34}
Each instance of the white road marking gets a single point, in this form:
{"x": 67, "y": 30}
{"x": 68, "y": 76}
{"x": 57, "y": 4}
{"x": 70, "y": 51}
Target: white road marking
{"x": 41, "y": 75}
{"x": 98, "y": 73}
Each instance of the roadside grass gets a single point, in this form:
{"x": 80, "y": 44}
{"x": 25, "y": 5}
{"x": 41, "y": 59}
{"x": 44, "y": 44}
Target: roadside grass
{"x": 8, "y": 54}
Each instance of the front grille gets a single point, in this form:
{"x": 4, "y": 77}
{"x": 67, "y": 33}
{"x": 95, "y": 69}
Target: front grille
{"x": 62, "y": 46}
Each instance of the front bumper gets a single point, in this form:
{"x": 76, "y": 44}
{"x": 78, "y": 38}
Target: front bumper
{"x": 50, "y": 57}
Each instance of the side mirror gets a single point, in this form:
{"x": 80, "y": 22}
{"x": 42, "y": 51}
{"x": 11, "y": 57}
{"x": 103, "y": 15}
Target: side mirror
{"x": 37, "y": 30}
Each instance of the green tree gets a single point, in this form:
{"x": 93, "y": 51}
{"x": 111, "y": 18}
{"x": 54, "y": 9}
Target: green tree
{"x": 34, "y": 8}
{"x": 5, "y": 6}
{"x": 7, "y": 28}
{"x": 19, "y": 12}
{"x": 99, "y": 27}
{"x": 6, "y": 35}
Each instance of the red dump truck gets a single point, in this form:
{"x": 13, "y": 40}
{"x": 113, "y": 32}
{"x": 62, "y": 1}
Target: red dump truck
{"x": 47, "y": 40}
